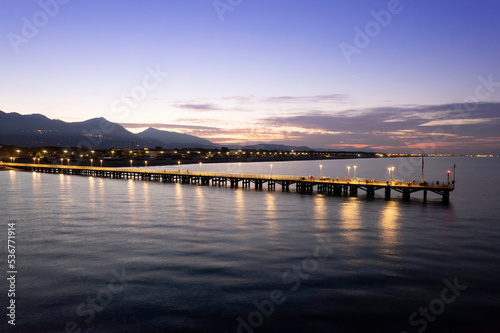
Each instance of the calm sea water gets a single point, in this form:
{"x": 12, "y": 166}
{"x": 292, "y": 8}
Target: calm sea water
{"x": 107, "y": 255}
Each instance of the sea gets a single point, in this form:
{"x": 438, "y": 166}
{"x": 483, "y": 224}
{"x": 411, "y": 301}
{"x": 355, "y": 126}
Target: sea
{"x": 113, "y": 255}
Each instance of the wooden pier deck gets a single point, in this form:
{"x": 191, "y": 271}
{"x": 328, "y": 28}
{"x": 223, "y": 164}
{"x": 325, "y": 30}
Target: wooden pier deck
{"x": 302, "y": 184}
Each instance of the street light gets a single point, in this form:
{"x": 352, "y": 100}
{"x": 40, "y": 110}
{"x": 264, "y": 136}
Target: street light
{"x": 320, "y": 171}
{"x": 91, "y": 162}
{"x": 200, "y": 167}
{"x": 179, "y": 164}
{"x": 62, "y": 161}
{"x": 68, "y": 161}
{"x": 449, "y": 177}
{"x": 348, "y": 172}
{"x": 145, "y": 163}
{"x": 18, "y": 151}
{"x": 34, "y": 160}
{"x": 355, "y": 172}
{"x": 131, "y": 163}
{"x": 271, "y": 171}
{"x": 101, "y": 163}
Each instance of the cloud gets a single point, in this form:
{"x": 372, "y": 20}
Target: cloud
{"x": 241, "y": 99}
{"x": 288, "y": 99}
{"x": 302, "y": 99}
{"x": 399, "y": 128}
{"x": 448, "y": 122}
{"x": 199, "y": 107}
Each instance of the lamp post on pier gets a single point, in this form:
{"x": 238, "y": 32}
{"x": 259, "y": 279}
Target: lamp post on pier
{"x": 355, "y": 172}
{"x": 131, "y": 161}
{"x": 179, "y": 164}
{"x": 91, "y": 162}
{"x": 348, "y": 172}
{"x": 101, "y": 163}
{"x": 271, "y": 171}
{"x": 200, "y": 167}
{"x": 320, "y": 171}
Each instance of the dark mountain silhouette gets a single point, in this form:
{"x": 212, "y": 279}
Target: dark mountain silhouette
{"x": 176, "y": 140}
{"x": 36, "y": 130}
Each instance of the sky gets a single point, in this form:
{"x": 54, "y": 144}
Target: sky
{"x": 393, "y": 76}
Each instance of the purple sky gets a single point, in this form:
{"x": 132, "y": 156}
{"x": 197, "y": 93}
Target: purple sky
{"x": 386, "y": 75}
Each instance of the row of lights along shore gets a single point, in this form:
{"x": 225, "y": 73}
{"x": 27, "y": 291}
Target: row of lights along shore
{"x": 12, "y": 159}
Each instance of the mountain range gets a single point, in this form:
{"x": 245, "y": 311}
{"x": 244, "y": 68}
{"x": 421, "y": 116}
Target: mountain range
{"x": 37, "y": 130}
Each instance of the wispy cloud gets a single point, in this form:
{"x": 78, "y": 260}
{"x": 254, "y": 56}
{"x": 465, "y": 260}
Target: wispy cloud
{"x": 288, "y": 99}
{"x": 448, "y": 122}
{"x": 309, "y": 99}
{"x": 199, "y": 107}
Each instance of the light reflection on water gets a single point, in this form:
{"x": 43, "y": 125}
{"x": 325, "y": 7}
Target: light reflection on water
{"x": 389, "y": 225}
{"x": 320, "y": 211}
{"x": 271, "y": 221}
{"x": 131, "y": 201}
{"x": 351, "y": 219}
{"x": 240, "y": 207}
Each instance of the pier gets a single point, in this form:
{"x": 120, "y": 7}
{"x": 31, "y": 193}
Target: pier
{"x": 305, "y": 185}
